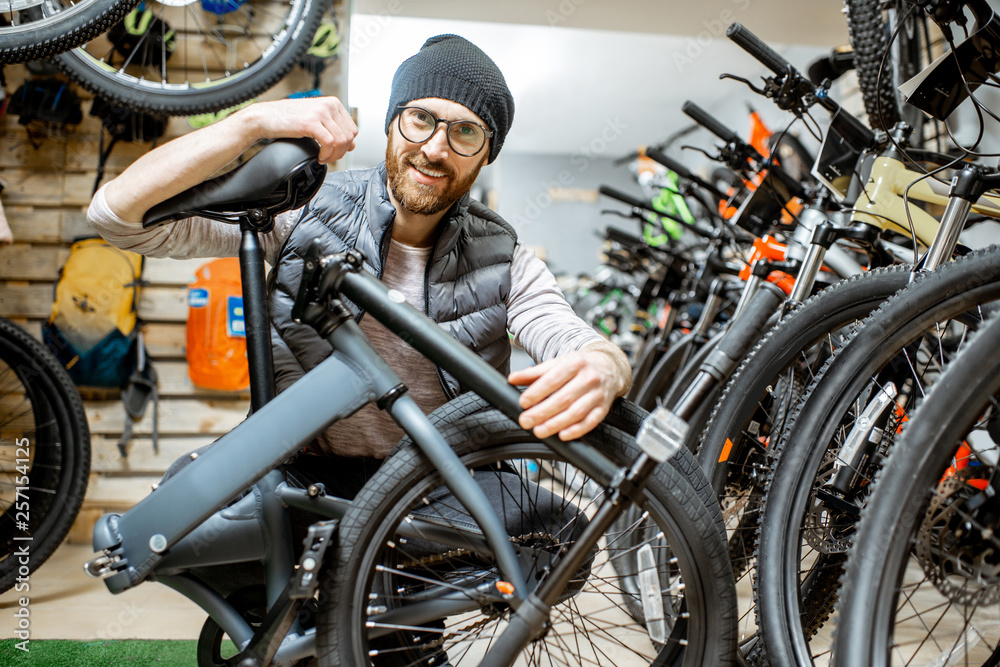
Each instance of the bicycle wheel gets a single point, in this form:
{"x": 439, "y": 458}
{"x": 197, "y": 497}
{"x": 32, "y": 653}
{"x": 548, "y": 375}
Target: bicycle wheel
{"x": 187, "y": 57}
{"x": 870, "y": 28}
{"x": 598, "y": 621}
{"x": 921, "y": 583}
{"x": 737, "y": 447}
{"x": 36, "y": 29}
{"x": 843, "y": 429}
{"x": 44, "y": 452}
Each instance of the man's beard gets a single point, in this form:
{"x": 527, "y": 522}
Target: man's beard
{"x": 417, "y": 197}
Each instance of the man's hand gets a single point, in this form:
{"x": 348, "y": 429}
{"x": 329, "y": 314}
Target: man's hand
{"x": 325, "y": 119}
{"x": 571, "y": 394}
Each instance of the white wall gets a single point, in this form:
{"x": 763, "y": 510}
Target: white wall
{"x": 569, "y": 231}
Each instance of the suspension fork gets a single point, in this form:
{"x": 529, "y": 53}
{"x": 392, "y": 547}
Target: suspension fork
{"x": 760, "y": 271}
{"x": 823, "y": 238}
{"x": 966, "y": 188}
{"x": 649, "y": 351}
{"x": 859, "y": 449}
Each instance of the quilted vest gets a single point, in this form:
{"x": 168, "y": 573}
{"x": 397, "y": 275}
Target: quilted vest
{"x": 466, "y": 284}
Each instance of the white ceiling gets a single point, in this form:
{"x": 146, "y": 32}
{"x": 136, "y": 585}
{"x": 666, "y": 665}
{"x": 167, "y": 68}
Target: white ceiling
{"x": 590, "y": 76}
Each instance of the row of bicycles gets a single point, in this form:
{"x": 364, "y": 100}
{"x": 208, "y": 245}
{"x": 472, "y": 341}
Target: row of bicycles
{"x": 812, "y": 419}
{"x": 854, "y": 447}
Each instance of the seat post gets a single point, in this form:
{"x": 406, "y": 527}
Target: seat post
{"x": 280, "y": 560}
{"x": 258, "y": 331}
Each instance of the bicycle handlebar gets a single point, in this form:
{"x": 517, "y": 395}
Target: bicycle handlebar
{"x": 740, "y": 147}
{"x": 621, "y": 237}
{"x": 658, "y": 156}
{"x": 756, "y": 47}
{"x": 635, "y": 202}
{"x": 626, "y": 198}
{"x": 671, "y": 164}
{"x": 710, "y": 123}
{"x": 859, "y": 135}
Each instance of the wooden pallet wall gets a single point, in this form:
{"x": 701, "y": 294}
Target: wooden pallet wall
{"x": 48, "y": 189}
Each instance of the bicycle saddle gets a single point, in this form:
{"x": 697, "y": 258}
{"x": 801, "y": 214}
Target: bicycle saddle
{"x": 281, "y": 177}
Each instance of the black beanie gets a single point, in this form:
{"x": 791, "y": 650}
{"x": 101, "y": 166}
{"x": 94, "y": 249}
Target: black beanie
{"x": 453, "y": 68}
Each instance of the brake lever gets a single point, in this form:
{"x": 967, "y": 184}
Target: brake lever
{"x": 728, "y": 155}
{"x": 713, "y": 158}
{"x": 790, "y": 95}
{"x": 759, "y": 91}
{"x": 786, "y": 91}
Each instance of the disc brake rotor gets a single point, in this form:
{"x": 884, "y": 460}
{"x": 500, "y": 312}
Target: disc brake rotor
{"x": 954, "y": 550}
{"x": 824, "y": 529}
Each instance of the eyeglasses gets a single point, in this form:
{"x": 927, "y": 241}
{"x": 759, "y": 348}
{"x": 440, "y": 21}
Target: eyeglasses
{"x": 419, "y": 125}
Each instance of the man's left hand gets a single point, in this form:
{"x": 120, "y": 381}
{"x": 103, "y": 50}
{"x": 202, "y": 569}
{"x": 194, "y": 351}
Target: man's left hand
{"x": 571, "y": 394}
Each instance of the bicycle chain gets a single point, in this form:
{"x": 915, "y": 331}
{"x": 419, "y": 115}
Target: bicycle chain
{"x": 444, "y": 556}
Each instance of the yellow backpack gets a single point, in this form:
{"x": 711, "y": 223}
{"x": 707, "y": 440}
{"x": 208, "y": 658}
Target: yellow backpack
{"x": 94, "y": 330}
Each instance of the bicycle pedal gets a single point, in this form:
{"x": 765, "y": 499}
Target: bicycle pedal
{"x": 317, "y": 541}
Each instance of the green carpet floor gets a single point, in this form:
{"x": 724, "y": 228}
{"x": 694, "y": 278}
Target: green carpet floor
{"x": 130, "y": 652}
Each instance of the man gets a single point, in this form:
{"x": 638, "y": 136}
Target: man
{"x": 449, "y": 112}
